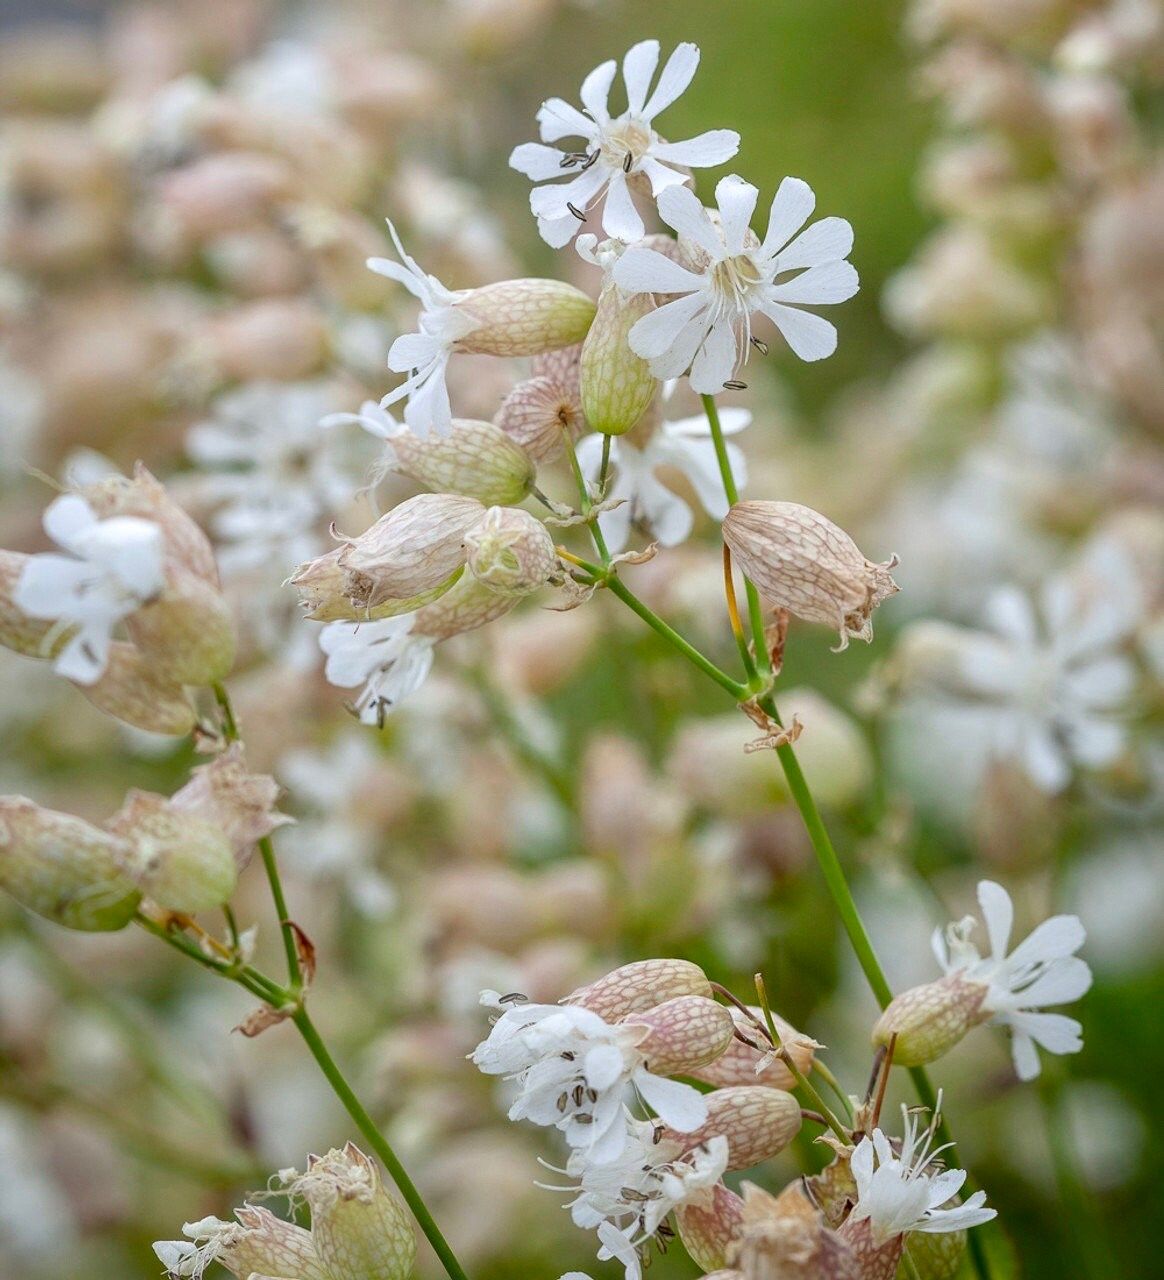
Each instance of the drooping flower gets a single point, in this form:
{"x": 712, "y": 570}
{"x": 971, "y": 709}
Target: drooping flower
{"x": 618, "y": 152}
{"x": 573, "y": 1072}
{"x": 733, "y": 276}
{"x": 684, "y": 444}
{"x": 1043, "y": 969}
{"x": 383, "y": 657}
{"x": 627, "y": 1201}
{"x": 113, "y": 567}
{"x": 904, "y": 1190}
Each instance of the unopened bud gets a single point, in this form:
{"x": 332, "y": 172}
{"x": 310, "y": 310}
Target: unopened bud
{"x": 804, "y": 563}
{"x": 929, "y": 1020}
{"x": 358, "y": 1227}
{"x": 476, "y": 459}
{"x": 510, "y": 551}
{"x": 641, "y": 985}
{"x": 412, "y": 549}
{"x": 179, "y": 860}
{"x": 711, "y": 1226}
{"x": 617, "y": 385}
{"x": 64, "y": 869}
{"x": 738, "y": 1064}
{"x": 525, "y": 317}
{"x": 757, "y": 1121}
{"x": 684, "y": 1034}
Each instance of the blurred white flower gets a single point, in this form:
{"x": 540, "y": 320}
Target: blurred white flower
{"x": 902, "y": 1192}
{"x": 684, "y": 444}
{"x": 114, "y": 567}
{"x": 574, "y": 1070}
{"x": 708, "y": 328}
{"x": 273, "y": 472}
{"x": 382, "y": 656}
{"x": 424, "y": 355}
{"x": 1043, "y": 969}
{"x": 615, "y": 147}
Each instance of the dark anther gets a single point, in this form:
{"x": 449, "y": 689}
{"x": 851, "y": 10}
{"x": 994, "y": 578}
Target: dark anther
{"x": 590, "y": 159}
{"x": 761, "y": 347}
{"x": 563, "y": 1101}
{"x": 569, "y": 1056}
{"x": 576, "y": 211}
{"x": 735, "y": 385}
{"x": 514, "y": 997}
{"x": 628, "y": 161}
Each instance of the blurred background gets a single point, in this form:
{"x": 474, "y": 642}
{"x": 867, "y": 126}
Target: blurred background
{"x": 188, "y": 192}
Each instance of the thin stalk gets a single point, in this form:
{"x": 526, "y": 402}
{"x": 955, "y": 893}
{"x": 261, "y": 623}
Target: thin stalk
{"x": 367, "y": 1126}
{"x": 267, "y": 853}
{"x": 258, "y": 984}
{"x": 835, "y": 1085}
{"x": 585, "y": 505}
{"x": 733, "y": 609}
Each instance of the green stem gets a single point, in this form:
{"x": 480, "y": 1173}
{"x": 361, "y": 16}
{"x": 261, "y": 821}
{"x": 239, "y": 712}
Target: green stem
{"x": 755, "y": 611}
{"x": 585, "y": 505}
{"x": 367, "y": 1126}
{"x": 258, "y": 984}
{"x": 1083, "y": 1225}
{"x": 835, "y": 1085}
{"x": 267, "y": 853}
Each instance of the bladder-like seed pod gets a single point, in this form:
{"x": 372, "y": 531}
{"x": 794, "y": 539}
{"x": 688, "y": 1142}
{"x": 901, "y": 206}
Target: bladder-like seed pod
{"x": 64, "y": 869}
{"x": 330, "y": 593}
{"x": 476, "y": 459}
{"x": 804, "y": 563}
{"x": 359, "y": 1229}
{"x": 617, "y": 385}
{"x": 510, "y": 551}
{"x": 640, "y": 985}
{"x": 684, "y": 1034}
{"x": 711, "y": 1226}
{"x": 740, "y": 1064}
{"x": 132, "y": 690}
{"x": 930, "y": 1019}
{"x": 524, "y": 317}
{"x": 187, "y": 635}
{"x": 470, "y": 604}
{"x": 757, "y": 1121}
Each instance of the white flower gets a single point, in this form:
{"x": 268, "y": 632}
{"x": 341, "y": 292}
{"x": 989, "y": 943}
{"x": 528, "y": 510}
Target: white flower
{"x": 684, "y": 444}
{"x": 204, "y": 1242}
{"x": 1041, "y": 970}
{"x": 899, "y": 1193}
{"x": 114, "y": 567}
{"x": 627, "y": 1201}
{"x": 383, "y": 656}
{"x": 708, "y": 329}
{"x": 1055, "y": 684}
{"x": 574, "y": 1070}
{"x": 615, "y": 148}
{"x": 424, "y": 355}
{"x": 275, "y": 474}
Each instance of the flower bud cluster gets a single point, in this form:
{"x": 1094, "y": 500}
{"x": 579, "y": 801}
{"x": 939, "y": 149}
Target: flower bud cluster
{"x": 359, "y": 1230}
{"x": 181, "y": 853}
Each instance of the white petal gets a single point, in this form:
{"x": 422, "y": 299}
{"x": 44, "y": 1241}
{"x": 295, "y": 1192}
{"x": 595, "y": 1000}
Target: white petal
{"x": 665, "y": 513}
{"x": 551, "y": 201}
{"x": 792, "y": 207}
{"x": 828, "y": 240}
{"x": 1104, "y": 683}
{"x": 1096, "y": 743}
{"x": 829, "y": 283}
{"x": 658, "y": 331}
{"x": 638, "y": 69}
{"x": 680, "y": 209}
{"x": 85, "y": 656}
{"x": 715, "y": 362}
{"x": 1063, "y": 983}
{"x": 811, "y": 337}
{"x": 1043, "y": 758}
{"x": 596, "y": 90}
{"x": 677, "y": 75}
{"x": 698, "y": 462}
{"x": 660, "y": 176}
{"x": 676, "y": 1104}
{"x": 602, "y": 1066}
{"x": 558, "y": 119}
{"x": 998, "y": 914}
{"x": 413, "y": 351}
{"x": 1010, "y": 613}
{"x": 714, "y": 146}
{"x": 48, "y": 583}
{"x": 737, "y": 202}
{"x": 558, "y": 232}
{"x": 1055, "y": 1032}
{"x": 537, "y": 161}
{"x": 68, "y": 518}
{"x": 1055, "y": 939}
{"x": 620, "y": 218}
{"x": 642, "y": 270}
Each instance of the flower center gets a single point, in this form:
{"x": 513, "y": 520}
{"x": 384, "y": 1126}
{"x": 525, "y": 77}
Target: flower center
{"x": 624, "y": 144}
{"x": 734, "y": 279}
